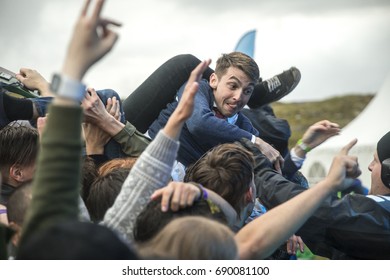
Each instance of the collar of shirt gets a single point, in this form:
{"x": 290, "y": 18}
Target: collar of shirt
{"x": 218, "y": 114}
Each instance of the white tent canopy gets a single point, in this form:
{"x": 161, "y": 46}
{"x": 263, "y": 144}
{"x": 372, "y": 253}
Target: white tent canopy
{"x": 368, "y": 127}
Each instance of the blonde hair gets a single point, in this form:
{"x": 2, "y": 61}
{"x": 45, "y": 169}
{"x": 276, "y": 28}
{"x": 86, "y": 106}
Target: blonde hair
{"x": 192, "y": 238}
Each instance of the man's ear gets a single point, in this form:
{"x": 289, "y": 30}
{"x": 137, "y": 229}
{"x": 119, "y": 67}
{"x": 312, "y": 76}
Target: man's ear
{"x": 213, "y": 82}
{"x": 249, "y": 196}
{"x": 16, "y": 173}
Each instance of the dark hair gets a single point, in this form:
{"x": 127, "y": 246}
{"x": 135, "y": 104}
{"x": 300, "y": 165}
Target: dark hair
{"x": 18, "y": 145}
{"x": 18, "y": 203}
{"x": 238, "y": 60}
{"x": 103, "y": 192}
{"x": 152, "y": 220}
{"x": 74, "y": 240}
{"x": 226, "y": 169}
{"x": 89, "y": 174}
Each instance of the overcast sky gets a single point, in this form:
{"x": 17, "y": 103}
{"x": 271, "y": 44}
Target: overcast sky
{"x": 340, "y": 46}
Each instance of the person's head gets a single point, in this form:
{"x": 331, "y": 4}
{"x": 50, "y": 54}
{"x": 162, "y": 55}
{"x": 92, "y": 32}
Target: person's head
{"x": 233, "y": 82}
{"x": 380, "y": 170}
{"x": 151, "y": 220}
{"x": 192, "y": 238}
{"x": 124, "y": 163}
{"x": 18, "y": 152}
{"x": 227, "y": 170}
{"x": 74, "y": 240}
{"x": 103, "y": 192}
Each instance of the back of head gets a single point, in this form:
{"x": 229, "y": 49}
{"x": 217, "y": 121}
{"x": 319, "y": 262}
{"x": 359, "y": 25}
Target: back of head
{"x": 240, "y": 61}
{"x": 18, "y": 145}
{"x": 383, "y": 150}
{"x": 103, "y": 192}
{"x": 123, "y": 163}
{"x": 192, "y": 238}
{"x": 152, "y": 220}
{"x": 75, "y": 240}
{"x": 226, "y": 169}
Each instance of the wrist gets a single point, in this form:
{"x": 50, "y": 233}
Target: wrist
{"x": 303, "y": 146}
{"x": 111, "y": 125}
{"x": 203, "y": 192}
{"x": 94, "y": 150}
{"x": 67, "y": 88}
{"x": 73, "y": 71}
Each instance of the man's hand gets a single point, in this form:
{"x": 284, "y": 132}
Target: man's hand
{"x": 33, "y": 80}
{"x": 185, "y": 106}
{"x": 344, "y": 168}
{"x": 177, "y": 195}
{"x": 91, "y": 40}
{"x": 317, "y": 134}
{"x": 271, "y": 153}
{"x": 294, "y": 243}
{"x": 94, "y": 109}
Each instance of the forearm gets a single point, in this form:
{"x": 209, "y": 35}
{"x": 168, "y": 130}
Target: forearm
{"x": 151, "y": 171}
{"x": 261, "y": 237}
{"x": 57, "y": 177}
{"x": 111, "y": 125}
{"x": 133, "y": 142}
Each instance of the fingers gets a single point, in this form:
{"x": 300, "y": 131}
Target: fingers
{"x": 176, "y": 195}
{"x": 352, "y": 167}
{"x": 84, "y": 10}
{"x": 196, "y": 74}
{"x": 98, "y": 8}
{"x": 113, "y": 107}
{"x": 295, "y": 243}
{"x": 345, "y": 150}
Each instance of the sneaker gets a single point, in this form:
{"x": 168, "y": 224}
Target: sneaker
{"x": 275, "y": 88}
{"x": 283, "y": 83}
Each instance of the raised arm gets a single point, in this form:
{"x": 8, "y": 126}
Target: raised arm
{"x": 261, "y": 237}
{"x": 153, "y": 168}
{"x": 56, "y": 183}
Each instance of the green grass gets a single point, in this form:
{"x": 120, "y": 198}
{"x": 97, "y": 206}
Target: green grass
{"x": 301, "y": 115}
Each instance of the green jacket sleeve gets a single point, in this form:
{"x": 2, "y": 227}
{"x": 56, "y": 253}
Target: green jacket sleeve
{"x": 132, "y": 141}
{"x": 57, "y": 177}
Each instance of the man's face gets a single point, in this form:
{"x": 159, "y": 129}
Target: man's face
{"x": 376, "y": 182}
{"x": 232, "y": 91}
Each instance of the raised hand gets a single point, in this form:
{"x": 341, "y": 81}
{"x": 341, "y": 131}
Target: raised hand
{"x": 91, "y": 40}
{"x": 186, "y": 104}
{"x": 344, "y": 168}
{"x": 319, "y": 132}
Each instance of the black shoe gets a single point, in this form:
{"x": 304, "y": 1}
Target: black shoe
{"x": 283, "y": 83}
{"x": 275, "y": 88}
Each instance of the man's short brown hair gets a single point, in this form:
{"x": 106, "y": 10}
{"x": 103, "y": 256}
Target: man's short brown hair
{"x": 238, "y": 60}
{"x": 226, "y": 169}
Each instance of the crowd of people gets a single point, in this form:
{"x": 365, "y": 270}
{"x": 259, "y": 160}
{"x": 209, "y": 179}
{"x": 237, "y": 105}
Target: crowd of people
{"x": 193, "y": 164}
